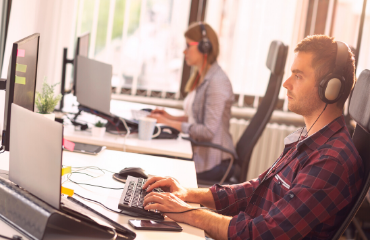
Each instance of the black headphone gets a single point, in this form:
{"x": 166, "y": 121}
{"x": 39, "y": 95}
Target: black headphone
{"x": 331, "y": 87}
{"x": 204, "y": 46}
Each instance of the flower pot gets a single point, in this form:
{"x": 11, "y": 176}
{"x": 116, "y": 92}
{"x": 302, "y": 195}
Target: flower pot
{"x": 98, "y": 131}
{"x": 50, "y": 116}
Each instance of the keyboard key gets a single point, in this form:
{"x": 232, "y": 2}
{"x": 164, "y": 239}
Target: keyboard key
{"x": 133, "y": 197}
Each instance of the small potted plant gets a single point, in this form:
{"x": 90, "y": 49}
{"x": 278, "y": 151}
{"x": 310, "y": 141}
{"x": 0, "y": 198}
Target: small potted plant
{"x": 98, "y": 129}
{"x": 46, "y": 101}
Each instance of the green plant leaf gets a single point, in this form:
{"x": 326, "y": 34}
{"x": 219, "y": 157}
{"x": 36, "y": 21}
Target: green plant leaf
{"x": 45, "y": 101}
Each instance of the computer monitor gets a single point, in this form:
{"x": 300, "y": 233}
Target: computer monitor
{"x": 82, "y": 49}
{"x": 93, "y": 84}
{"x": 21, "y": 80}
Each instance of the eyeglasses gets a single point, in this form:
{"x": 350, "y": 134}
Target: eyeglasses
{"x": 191, "y": 44}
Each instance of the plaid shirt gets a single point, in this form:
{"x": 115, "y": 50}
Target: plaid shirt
{"x": 307, "y": 195}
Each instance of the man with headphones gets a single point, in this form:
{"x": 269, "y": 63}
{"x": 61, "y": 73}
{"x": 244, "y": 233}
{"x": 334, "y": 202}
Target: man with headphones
{"x": 309, "y": 190}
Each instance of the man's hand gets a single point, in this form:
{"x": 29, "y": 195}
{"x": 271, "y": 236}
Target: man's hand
{"x": 214, "y": 224}
{"x": 168, "y": 202}
{"x": 167, "y": 184}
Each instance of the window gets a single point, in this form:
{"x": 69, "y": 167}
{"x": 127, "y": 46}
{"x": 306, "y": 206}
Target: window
{"x": 245, "y": 30}
{"x": 346, "y": 28}
{"x": 142, "y": 39}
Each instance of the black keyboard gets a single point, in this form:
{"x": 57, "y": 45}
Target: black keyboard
{"x": 133, "y": 196}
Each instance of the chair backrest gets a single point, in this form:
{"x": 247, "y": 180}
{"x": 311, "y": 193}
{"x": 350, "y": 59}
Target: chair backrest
{"x": 359, "y": 109}
{"x": 276, "y": 63}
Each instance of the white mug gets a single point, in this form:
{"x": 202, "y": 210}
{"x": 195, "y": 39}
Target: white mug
{"x": 146, "y": 128}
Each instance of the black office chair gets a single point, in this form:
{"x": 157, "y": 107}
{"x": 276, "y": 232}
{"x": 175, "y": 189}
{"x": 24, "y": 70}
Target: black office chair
{"x": 276, "y": 63}
{"x": 359, "y": 109}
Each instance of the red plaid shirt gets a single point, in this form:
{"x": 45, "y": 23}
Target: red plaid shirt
{"x": 307, "y": 196}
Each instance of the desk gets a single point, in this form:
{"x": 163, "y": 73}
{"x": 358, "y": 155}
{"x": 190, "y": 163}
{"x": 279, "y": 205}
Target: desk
{"x": 184, "y": 171}
{"x": 169, "y": 147}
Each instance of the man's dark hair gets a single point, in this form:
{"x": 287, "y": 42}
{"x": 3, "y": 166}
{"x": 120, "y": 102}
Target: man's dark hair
{"x": 324, "y": 49}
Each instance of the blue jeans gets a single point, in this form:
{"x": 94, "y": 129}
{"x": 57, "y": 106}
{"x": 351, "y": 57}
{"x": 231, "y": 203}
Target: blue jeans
{"x": 217, "y": 172}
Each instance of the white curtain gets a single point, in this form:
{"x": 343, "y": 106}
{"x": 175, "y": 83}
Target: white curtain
{"x": 54, "y": 20}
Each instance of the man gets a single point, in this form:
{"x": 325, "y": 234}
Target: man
{"x": 308, "y": 191}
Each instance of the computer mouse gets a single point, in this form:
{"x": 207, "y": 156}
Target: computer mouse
{"x": 130, "y": 171}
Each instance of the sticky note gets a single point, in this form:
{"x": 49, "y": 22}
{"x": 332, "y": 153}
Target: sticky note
{"x": 68, "y": 191}
{"x": 66, "y": 170}
{"x": 68, "y": 145}
{"x": 20, "y": 80}
{"x": 21, "y": 53}
{"x": 21, "y": 68}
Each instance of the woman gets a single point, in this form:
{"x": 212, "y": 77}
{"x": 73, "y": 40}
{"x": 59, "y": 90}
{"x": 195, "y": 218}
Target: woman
{"x": 207, "y": 105}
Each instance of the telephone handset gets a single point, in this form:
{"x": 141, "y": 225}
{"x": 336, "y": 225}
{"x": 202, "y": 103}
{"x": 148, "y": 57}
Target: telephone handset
{"x": 165, "y": 132}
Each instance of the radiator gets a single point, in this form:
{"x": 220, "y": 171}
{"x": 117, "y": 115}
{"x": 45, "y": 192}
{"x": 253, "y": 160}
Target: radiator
{"x": 268, "y": 148}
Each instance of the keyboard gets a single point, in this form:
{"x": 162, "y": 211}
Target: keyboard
{"x": 137, "y": 114}
{"x": 133, "y": 196}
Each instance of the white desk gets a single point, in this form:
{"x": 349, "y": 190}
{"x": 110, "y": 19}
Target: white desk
{"x": 183, "y": 171}
{"x": 169, "y": 147}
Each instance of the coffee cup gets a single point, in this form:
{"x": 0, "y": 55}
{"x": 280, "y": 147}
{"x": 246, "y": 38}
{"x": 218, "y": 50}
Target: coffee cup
{"x": 146, "y": 128}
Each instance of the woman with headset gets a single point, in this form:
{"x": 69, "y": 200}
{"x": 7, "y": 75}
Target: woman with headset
{"x": 207, "y": 105}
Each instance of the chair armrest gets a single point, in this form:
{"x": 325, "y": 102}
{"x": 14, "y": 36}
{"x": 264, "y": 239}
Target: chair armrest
{"x": 212, "y": 145}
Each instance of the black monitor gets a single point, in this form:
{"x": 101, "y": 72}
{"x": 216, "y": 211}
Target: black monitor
{"x": 21, "y": 80}
{"x": 82, "y": 49}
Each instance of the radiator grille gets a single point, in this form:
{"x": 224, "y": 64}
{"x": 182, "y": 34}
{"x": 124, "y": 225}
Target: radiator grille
{"x": 269, "y": 145}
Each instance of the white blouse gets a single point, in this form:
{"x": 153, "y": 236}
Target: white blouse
{"x": 188, "y": 106}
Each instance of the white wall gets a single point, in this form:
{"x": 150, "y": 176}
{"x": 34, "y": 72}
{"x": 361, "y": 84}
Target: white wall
{"x": 54, "y": 20}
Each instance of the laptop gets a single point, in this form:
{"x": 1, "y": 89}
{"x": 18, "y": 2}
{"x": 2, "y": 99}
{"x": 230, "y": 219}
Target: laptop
{"x": 35, "y": 162}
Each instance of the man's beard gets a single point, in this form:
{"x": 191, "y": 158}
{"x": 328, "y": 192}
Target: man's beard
{"x": 306, "y": 105}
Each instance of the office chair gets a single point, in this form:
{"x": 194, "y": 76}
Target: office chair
{"x": 276, "y": 59}
{"x": 359, "y": 109}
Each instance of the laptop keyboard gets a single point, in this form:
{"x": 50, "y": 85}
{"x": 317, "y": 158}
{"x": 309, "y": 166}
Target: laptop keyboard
{"x": 133, "y": 196}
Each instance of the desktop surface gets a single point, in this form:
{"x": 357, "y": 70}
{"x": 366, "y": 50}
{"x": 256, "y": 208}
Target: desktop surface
{"x": 183, "y": 171}
{"x": 168, "y": 147}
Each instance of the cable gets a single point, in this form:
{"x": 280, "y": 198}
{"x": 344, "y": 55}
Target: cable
{"x": 94, "y": 201}
{"x": 115, "y": 234}
{"x": 2, "y": 150}
{"x": 93, "y": 167}
{"x": 127, "y": 133}
{"x": 15, "y": 237}
{"x": 92, "y": 185}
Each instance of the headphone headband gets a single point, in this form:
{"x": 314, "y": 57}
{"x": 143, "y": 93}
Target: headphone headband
{"x": 341, "y": 59}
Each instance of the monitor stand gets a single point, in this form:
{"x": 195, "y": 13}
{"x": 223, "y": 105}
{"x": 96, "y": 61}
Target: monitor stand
{"x": 114, "y": 124}
{"x": 3, "y": 83}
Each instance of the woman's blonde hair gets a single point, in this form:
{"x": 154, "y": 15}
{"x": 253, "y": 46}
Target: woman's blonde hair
{"x": 194, "y": 33}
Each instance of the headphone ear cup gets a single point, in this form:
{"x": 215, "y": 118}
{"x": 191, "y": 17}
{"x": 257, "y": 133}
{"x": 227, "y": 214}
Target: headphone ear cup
{"x": 331, "y": 88}
{"x": 205, "y": 46}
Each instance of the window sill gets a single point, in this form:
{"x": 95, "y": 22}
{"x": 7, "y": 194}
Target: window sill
{"x": 278, "y": 116}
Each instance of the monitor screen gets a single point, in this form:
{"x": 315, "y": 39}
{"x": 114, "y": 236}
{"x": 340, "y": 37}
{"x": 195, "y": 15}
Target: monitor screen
{"x": 93, "y": 84}
{"x": 82, "y": 49}
{"x": 21, "y": 80}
